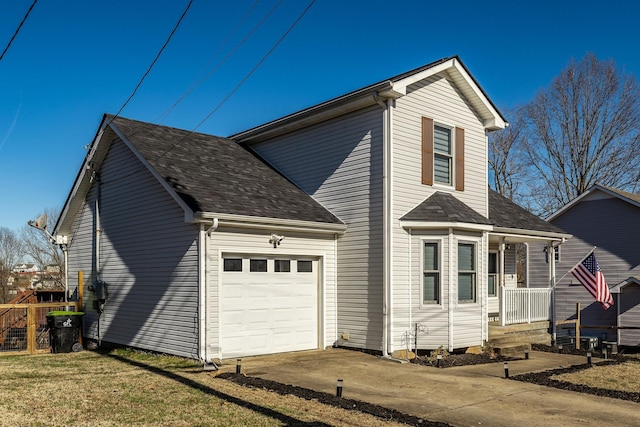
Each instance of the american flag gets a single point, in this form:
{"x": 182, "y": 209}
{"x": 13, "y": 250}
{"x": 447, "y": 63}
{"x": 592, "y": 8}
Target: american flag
{"x": 590, "y": 276}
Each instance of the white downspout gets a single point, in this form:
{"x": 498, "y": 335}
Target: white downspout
{"x": 66, "y": 272}
{"x": 551, "y": 256}
{"x": 387, "y": 310}
{"x": 203, "y": 306}
{"x": 451, "y": 288}
{"x": 410, "y": 287}
{"x": 335, "y": 286}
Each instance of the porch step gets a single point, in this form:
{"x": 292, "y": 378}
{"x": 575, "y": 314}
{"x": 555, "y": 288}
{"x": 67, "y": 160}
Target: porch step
{"x": 514, "y": 339}
{"x": 513, "y": 349}
{"x": 530, "y": 337}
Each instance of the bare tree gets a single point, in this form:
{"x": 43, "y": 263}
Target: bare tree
{"x": 506, "y": 159}
{"x": 48, "y": 256}
{"x": 11, "y": 252}
{"x": 582, "y": 130}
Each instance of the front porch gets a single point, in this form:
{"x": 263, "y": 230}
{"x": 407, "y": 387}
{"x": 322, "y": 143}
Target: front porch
{"x": 524, "y": 318}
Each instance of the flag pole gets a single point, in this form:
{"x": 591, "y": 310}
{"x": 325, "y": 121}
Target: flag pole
{"x": 553, "y": 290}
{"x": 569, "y": 271}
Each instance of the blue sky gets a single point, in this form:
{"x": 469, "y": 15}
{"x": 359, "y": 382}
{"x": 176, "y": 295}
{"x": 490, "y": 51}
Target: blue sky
{"x": 74, "y": 60}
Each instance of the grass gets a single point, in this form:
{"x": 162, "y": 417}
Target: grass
{"x": 621, "y": 377}
{"x": 123, "y": 387}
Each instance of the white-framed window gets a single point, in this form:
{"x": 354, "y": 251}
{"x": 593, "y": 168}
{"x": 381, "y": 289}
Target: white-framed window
{"x": 431, "y": 272}
{"x": 556, "y": 254}
{"x": 492, "y": 270}
{"x": 467, "y": 283}
{"x": 442, "y": 155}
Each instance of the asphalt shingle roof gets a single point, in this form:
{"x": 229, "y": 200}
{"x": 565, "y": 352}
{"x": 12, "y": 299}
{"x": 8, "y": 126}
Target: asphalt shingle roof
{"x": 506, "y": 214}
{"x": 218, "y": 175}
{"x": 444, "y": 207}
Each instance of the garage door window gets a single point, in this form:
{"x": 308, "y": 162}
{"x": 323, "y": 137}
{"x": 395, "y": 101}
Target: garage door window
{"x": 282, "y": 266}
{"x": 258, "y": 266}
{"x": 233, "y": 264}
{"x": 305, "y": 266}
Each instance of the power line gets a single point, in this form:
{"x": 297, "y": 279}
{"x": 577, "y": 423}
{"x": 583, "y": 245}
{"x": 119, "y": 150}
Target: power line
{"x": 18, "y": 29}
{"x": 253, "y": 70}
{"x": 246, "y": 77}
{"x": 144, "y": 76}
{"x": 202, "y": 77}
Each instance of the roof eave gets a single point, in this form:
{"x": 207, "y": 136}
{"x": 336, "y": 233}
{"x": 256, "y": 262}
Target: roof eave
{"x": 534, "y": 234}
{"x": 393, "y": 88}
{"x": 421, "y": 224}
{"x": 272, "y": 224}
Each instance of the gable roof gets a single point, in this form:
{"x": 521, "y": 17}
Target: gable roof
{"x": 444, "y": 208}
{"x": 633, "y": 280}
{"x": 392, "y": 88}
{"x": 508, "y": 216}
{"x": 205, "y": 174}
{"x": 631, "y": 198}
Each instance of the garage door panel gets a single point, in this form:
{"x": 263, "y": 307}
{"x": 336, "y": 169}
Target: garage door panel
{"x": 268, "y": 312}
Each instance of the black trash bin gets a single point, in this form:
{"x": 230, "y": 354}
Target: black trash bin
{"x": 65, "y": 328}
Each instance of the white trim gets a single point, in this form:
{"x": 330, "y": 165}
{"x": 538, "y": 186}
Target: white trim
{"x": 439, "y": 242}
{"x": 451, "y": 296}
{"x": 528, "y": 234}
{"x": 444, "y": 225}
{"x": 188, "y": 213}
{"x": 587, "y": 193}
{"x": 275, "y": 224}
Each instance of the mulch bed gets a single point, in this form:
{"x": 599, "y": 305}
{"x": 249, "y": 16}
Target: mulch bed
{"x": 462, "y": 359}
{"x": 329, "y": 399}
{"x": 452, "y": 360}
{"x": 544, "y": 378}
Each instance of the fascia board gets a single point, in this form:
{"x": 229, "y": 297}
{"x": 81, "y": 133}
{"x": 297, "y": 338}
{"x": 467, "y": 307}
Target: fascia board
{"x": 188, "y": 213}
{"x": 272, "y": 224}
{"x": 445, "y": 225}
{"x": 82, "y": 182}
{"x": 530, "y": 234}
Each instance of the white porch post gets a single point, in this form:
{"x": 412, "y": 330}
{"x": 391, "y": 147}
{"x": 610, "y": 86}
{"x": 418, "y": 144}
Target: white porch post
{"x": 503, "y": 294}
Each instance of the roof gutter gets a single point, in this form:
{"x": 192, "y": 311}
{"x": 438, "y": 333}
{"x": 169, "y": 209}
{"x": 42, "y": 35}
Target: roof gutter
{"x": 276, "y": 224}
{"x": 352, "y": 101}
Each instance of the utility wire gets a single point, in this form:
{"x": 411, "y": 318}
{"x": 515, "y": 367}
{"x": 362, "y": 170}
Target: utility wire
{"x": 18, "y": 29}
{"x": 202, "y": 77}
{"x": 253, "y": 70}
{"x": 233, "y": 91}
{"x": 144, "y": 76}
{"x": 244, "y": 79}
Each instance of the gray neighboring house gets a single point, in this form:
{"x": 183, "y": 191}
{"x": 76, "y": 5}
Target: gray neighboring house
{"x": 610, "y": 220}
{"x": 353, "y": 223}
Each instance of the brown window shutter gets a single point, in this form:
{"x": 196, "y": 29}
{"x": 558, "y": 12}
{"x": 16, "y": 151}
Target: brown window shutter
{"x": 459, "y": 159}
{"x": 427, "y": 151}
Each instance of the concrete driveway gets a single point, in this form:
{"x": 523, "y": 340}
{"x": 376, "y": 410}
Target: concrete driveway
{"x": 462, "y": 396}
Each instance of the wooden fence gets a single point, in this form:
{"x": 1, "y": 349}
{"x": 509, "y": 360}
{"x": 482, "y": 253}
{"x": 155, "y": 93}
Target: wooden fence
{"x": 23, "y": 326}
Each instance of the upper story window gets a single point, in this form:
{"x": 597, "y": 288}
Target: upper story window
{"x": 442, "y": 154}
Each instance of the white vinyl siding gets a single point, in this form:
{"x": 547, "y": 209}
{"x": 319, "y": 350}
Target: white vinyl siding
{"x": 437, "y": 98}
{"x": 339, "y": 163}
{"x": 148, "y": 257}
{"x": 243, "y": 244}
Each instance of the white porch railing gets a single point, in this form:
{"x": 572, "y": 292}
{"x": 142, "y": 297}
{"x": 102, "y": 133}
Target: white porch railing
{"x": 524, "y": 305}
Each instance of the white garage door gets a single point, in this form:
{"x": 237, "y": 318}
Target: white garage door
{"x": 268, "y": 305}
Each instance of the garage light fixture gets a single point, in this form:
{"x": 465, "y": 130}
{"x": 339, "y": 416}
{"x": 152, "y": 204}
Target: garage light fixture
{"x": 275, "y": 240}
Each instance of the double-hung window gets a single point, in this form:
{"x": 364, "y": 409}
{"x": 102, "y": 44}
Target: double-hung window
{"x": 492, "y": 285}
{"x": 466, "y": 272}
{"x": 442, "y": 154}
{"x": 431, "y": 273}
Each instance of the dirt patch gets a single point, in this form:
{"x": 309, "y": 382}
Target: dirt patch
{"x": 328, "y": 399}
